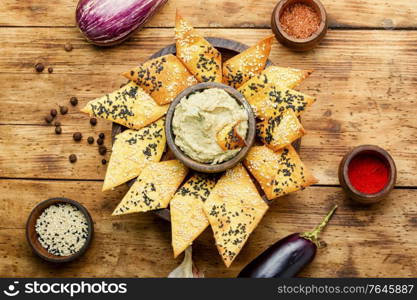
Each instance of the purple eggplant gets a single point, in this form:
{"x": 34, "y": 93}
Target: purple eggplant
{"x": 287, "y": 257}
{"x": 110, "y": 22}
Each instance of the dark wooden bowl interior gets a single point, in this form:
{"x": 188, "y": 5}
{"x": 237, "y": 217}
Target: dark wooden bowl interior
{"x": 290, "y": 41}
{"x": 32, "y": 236}
{"x": 351, "y": 190}
{"x": 228, "y": 49}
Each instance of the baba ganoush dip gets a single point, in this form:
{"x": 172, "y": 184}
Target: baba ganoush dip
{"x": 199, "y": 117}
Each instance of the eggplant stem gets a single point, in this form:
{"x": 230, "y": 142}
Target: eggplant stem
{"x": 314, "y": 235}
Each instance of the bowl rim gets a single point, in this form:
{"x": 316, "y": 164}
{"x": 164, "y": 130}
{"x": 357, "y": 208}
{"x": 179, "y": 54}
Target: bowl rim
{"x": 204, "y": 167}
{"x": 378, "y": 151}
{"x": 31, "y": 231}
{"x": 318, "y": 6}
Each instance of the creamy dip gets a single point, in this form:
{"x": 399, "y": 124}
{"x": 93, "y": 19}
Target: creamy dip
{"x": 199, "y": 117}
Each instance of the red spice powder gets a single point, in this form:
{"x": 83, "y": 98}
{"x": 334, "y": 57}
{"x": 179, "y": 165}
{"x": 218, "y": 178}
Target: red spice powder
{"x": 369, "y": 174}
{"x": 299, "y": 20}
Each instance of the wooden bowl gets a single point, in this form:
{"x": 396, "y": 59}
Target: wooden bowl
{"x": 290, "y": 41}
{"x": 203, "y": 167}
{"x": 32, "y": 236}
{"x": 350, "y": 189}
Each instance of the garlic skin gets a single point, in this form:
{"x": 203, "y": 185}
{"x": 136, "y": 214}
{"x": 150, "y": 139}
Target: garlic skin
{"x": 186, "y": 269}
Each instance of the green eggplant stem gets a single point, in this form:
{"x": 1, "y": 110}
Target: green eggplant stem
{"x": 314, "y": 235}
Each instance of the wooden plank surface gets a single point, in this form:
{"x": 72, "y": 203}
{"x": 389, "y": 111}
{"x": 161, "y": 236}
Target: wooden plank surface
{"x": 365, "y": 82}
{"x": 376, "y": 241}
{"x": 215, "y": 13}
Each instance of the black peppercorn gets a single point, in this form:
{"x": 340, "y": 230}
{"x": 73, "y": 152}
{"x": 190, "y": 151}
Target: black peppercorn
{"x": 99, "y": 141}
{"x": 77, "y": 136}
{"x": 57, "y": 123}
{"x": 103, "y": 161}
{"x": 93, "y": 121}
{"x": 101, "y": 135}
{"x": 74, "y": 101}
{"x": 50, "y": 70}
{"x": 53, "y": 113}
{"x": 90, "y": 140}
{"x": 48, "y": 119}
{"x": 39, "y": 67}
{"x": 73, "y": 158}
{"x": 102, "y": 150}
{"x": 68, "y": 47}
{"x": 58, "y": 130}
{"x": 63, "y": 110}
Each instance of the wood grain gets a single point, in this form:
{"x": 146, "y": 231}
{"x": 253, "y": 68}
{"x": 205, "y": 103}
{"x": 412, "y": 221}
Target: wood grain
{"x": 379, "y": 241}
{"x": 365, "y": 82}
{"x": 216, "y": 13}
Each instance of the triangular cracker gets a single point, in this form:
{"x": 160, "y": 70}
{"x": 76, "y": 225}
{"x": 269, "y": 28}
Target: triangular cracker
{"x": 132, "y": 151}
{"x": 197, "y": 54}
{"x": 129, "y": 106}
{"x": 278, "y": 173}
{"x": 228, "y": 138}
{"x": 281, "y": 130}
{"x": 247, "y": 64}
{"x": 163, "y": 78}
{"x": 188, "y": 219}
{"x": 234, "y": 209}
{"x": 154, "y": 187}
{"x": 273, "y": 100}
{"x": 279, "y": 76}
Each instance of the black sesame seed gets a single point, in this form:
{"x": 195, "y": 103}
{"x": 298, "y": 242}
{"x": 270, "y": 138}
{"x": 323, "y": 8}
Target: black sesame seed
{"x": 99, "y": 141}
{"x": 58, "y": 130}
{"x": 93, "y": 121}
{"x": 103, "y": 161}
{"x": 101, "y": 135}
{"x": 90, "y": 140}
{"x": 50, "y": 70}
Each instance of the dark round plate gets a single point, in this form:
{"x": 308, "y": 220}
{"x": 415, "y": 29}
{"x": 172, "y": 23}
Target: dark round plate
{"x": 228, "y": 48}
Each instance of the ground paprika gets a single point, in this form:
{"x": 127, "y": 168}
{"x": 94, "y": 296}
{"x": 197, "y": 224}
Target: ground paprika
{"x": 368, "y": 173}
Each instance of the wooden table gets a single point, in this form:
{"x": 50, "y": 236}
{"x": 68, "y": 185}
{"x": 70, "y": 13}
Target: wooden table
{"x": 365, "y": 80}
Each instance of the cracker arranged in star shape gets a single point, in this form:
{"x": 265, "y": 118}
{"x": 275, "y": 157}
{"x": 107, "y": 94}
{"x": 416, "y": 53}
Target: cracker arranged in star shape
{"x": 154, "y": 187}
{"x": 163, "y": 78}
{"x": 129, "y": 106}
{"x": 278, "y": 173}
{"x": 280, "y": 130}
{"x": 247, "y": 64}
{"x": 132, "y": 150}
{"x": 278, "y": 76}
{"x": 188, "y": 219}
{"x": 273, "y": 100}
{"x": 200, "y": 57}
{"x": 234, "y": 209}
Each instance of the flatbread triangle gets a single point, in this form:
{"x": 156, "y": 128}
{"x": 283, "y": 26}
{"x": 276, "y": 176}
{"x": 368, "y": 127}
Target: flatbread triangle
{"x": 132, "y": 151}
{"x": 129, "y": 106}
{"x": 234, "y": 209}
